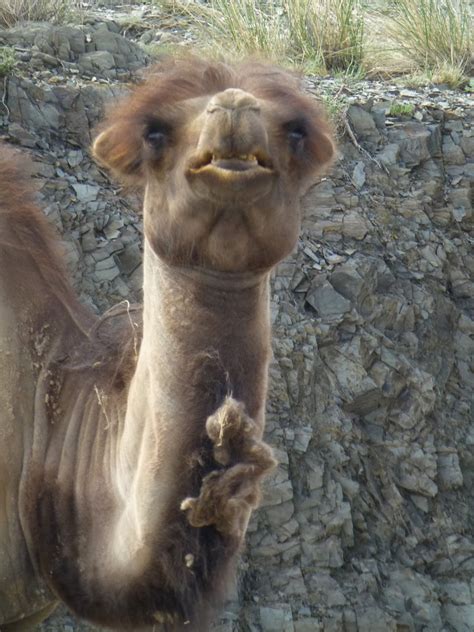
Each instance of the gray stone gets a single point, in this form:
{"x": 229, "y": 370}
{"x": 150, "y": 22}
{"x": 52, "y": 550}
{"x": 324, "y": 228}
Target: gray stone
{"x": 461, "y": 618}
{"x": 362, "y": 123}
{"x": 456, "y": 591}
{"x": 112, "y": 229}
{"x": 327, "y": 591}
{"x": 358, "y": 175}
{"x": 452, "y": 153}
{"x": 375, "y": 620}
{"x": 449, "y": 471}
{"x": 106, "y": 270}
{"x": 327, "y": 302}
{"x": 75, "y": 157}
{"x": 308, "y": 625}
{"x": 276, "y": 619}
{"x": 388, "y": 156}
{"x": 303, "y": 436}
{"x": 414, "y": 142}
{"x": 21, "y": 136}
{"x": 415, "y": 480}
{"x": 354, "y": 226}
{"x": 88, "y": 241}
{"x": 86, "y": 192}
{"x": 327, "y": 554}
{"x": 130, "y": 259}
{"x": 97, "y": 62}
{"x": 39, "y": 60}
{"x": 347, "y": 281}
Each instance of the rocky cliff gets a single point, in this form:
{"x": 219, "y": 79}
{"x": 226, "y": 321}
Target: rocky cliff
{"x": 367, "y": 525}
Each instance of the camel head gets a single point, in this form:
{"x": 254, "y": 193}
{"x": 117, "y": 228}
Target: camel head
{"x": 223, "y": 154}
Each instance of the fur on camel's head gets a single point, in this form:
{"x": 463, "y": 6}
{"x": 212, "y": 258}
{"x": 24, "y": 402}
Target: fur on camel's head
{"x": 223, "y": 154}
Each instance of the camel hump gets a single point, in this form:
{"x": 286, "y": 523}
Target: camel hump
{"x": 16, "y": 170}
{"x": 29, "y": 247}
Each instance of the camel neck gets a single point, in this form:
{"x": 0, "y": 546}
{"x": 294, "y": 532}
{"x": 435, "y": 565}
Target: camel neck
{"x": 203, "y": 339}
{"x": 204, "y": 331}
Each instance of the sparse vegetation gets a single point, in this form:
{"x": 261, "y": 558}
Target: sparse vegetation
{"x": 435, "y": 35}
{"x": 451, "y": 76}
{"x": 320, "y": 35}
{"x": 425, "y": 41}
{"x": 241, "y": 27}
{"x": 156, "y": 50}
{"x": 13, "y": 11}
{"x": 336, "y": 108}
{"x": 428, "y": 38}
{"x": 401, "y": 109}
{"x": 326, "y": 33}
{"x": 7, "y": 60}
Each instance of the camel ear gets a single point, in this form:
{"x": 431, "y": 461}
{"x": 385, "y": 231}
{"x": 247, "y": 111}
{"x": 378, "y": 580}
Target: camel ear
{"x": 120, "y": 150}
{"x": 324, "y": 148}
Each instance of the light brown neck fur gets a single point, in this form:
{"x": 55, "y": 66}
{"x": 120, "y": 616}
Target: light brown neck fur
{"x": 201, "y": 343}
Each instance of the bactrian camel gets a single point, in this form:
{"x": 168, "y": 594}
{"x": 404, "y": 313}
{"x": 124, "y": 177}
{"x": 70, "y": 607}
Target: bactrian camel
{"x": 131, "y": 450}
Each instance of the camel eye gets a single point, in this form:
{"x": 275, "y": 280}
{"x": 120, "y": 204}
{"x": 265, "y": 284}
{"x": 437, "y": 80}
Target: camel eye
{"x": 296, "y": 132}
{"x": 156, "y": 135}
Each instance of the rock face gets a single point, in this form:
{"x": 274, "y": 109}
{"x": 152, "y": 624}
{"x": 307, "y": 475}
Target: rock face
{"x": 95, "y": 47}
{"x": 366, "y": 525}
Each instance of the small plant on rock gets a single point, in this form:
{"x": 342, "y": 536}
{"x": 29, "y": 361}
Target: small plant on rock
{"x": 401, "y": 109}
{"x": 7, "y": 60}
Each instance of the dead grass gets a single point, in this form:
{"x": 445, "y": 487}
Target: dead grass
{"x": 320, "y": 35}
{"x": 451, "y": 76}
{"x": 13, "y": 11}
{"x": 427, "y": 38}
{"x": 327, "y": 33}
{"x": 239, "y": 27}
{"x": 432, "y": 32}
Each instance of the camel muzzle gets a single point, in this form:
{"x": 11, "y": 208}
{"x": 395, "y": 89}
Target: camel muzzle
{"x": 233, "y": 134}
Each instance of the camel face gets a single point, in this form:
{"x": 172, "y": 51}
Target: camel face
{"x": 224, "y": 156}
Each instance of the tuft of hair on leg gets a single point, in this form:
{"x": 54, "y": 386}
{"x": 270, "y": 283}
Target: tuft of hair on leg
{"x": 166, "y": 618}
{"x": 229, "y": 493}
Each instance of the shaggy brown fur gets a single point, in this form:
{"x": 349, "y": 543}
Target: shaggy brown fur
{"x": 25, "y": 233}
{"x": 141, "y": 456}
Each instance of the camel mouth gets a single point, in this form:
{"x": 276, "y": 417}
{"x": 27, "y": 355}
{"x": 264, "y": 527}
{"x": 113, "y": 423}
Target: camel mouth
{"x": 232, "y": 165}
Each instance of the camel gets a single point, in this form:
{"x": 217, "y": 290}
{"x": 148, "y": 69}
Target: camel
{"x": 131, "y": 452}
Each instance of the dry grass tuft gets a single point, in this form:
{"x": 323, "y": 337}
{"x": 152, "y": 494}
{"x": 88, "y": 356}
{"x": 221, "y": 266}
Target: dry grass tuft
{"x": 328, "y": 33}
{"x": 431, "y": 38}
{"x": 13, "y": 11}
{"x": 241, "y": 27}
{"x": 435, "y": 35}
{"x": 323, "y": 35}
